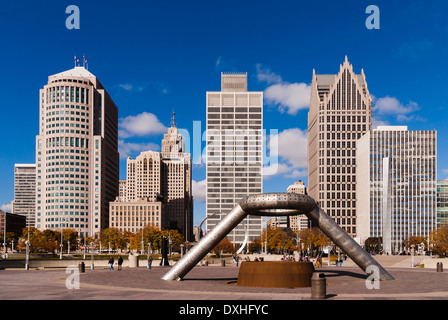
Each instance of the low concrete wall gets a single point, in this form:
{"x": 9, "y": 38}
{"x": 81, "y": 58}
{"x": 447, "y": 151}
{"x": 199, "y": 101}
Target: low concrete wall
{"x": 40, "y": 264}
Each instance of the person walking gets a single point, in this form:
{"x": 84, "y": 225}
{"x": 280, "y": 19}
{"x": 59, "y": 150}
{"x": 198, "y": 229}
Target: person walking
{"x": 111, "y": 262}
{"x": 149, "y": 261}
{"x": 120, "y": 262}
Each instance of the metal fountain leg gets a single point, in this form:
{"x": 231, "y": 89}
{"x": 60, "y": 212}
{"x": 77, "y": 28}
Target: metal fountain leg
{"x": 275, "y": 204}
{"x": 206, "y": 244}
{"x": 344, "y": 241}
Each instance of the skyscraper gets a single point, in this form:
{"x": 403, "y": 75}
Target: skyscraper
{"x": 234, "y": 153}
{"x": 442, "y": 202}
{"x": 164, "y": 176}
{"x": 297, "y": 222}
{"x": 176, "y": 182}
{"x": 396, "y": 185}
{"x": 340, "y": 113}
{"x": 77, "y": 158}
{"x": 25, "y": 192}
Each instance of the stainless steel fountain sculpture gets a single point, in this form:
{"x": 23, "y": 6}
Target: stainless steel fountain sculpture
{"x": 276, "y": 204}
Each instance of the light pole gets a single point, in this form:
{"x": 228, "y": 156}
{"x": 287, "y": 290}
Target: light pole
{"x": 27, "y": 259}
{"x": 4, "y": 234}
{"x": 68, "y": 247}
{"x": 92, "y": 266}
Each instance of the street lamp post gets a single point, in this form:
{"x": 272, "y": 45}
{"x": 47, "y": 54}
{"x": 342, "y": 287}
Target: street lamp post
{"x": 84, "y": 255}
{"x": 4, "y": 234}
{"x": 92, "y": 264}
{"x": 68, "y": 247}
{"x": 27, "y": 259}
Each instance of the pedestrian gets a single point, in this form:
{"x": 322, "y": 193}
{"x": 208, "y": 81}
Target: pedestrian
{"x": 149, "y": 261}
{"x": 237, "y": 259}
{"x": 111, "y": 262}
{"x": 120, "y": 262}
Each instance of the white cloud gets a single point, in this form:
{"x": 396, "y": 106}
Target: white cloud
{"x": 289, "y": 97}
{"x": 391, "y": 106}
{"x": 378, "y": 122}
{"x": 290, "y": 148}
{"x": 140, "y": 125}
{"x": 6, "y": 207}
{"x": 126, "y": 86}
{"x": 266, "y": 75}
{"x": 128, "y": 149}
{"x": 199, "y": 190}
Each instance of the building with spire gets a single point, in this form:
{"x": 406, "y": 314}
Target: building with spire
{"x": 77, "y": 158}
{"x": 176, "y": 182}
{"x": 158, "y": 189}
{"x": 340, "y": 113}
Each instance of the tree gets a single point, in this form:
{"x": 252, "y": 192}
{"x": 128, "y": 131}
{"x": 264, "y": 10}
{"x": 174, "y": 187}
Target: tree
{"x": 225, "y": 246}
{"x": 439, "y": 239}
{"x": 115, "y": 237}
{"x": 415, "y": 240}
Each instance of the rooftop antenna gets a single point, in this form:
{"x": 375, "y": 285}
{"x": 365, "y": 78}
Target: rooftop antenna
{"x": 173, "y": 121}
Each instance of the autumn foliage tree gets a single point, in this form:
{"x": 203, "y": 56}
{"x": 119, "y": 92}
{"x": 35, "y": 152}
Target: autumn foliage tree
{"x": 224, "y": 246}
{"x": 439, "y": 240}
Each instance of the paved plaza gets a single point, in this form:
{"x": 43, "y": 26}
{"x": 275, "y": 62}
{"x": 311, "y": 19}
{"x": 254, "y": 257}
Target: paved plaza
{"x": 215, "y": 282}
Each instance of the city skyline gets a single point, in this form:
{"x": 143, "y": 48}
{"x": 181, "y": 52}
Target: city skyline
{"x": 157, "y": 62}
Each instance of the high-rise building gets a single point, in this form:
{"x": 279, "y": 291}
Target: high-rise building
{"x": 340, "y": 113}
{"x": 163, "y": 180}
{"x": 396, "y": 185}
{"x": 442, "y": 202}
{"x": 77, "y": 158}
{"x": 297, "y": 222}
{"x": 176, "y": 182}
{"x": 25, "y": 192}
{"x": 122, "y": 194}
{"x": 233, "y": 153}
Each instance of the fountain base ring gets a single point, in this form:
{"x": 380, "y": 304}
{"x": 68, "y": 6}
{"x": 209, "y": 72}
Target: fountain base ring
{"x": 275, "y": 274}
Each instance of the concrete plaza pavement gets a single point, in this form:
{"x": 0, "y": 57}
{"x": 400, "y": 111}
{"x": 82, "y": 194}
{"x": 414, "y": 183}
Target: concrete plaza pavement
{"x": 215, "y": 282}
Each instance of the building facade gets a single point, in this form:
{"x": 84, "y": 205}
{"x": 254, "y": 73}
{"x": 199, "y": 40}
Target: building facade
{"x": 15, "y": 223}
{"x": 297, "y": 222}
{"x": 77, "y": 158}
{"x": 176, "y": 183}
{"x": 340, "y": 113}
{"x": 233, "y": 153}
{"x": 442, "y": 202}
{"x": 133, "y": 216}
{"x": 396, "y": 185}
{"x": 25, "y": 192}
{"x": 163, "y": 180}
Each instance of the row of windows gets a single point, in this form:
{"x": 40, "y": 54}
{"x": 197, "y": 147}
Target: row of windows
{"x": 67, "y": 94}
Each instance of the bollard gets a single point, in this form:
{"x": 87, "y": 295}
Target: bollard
{"x": 82, "y": 267}
{"x": 318, "y": 286}
{"x": 223, "y": 263}
{"x": 439, "y": 267}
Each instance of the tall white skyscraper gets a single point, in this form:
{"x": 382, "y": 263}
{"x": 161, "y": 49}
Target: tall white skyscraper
{"x": 340, "y": 113}
{"x": 234, "y": 153}
{"x": 77, "y": 158}
{"x": 25, "y": 192}
{"x": 396, "y": 185}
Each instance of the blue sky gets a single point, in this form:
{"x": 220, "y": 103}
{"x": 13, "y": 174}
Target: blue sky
{"x": 154, "y": 57}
